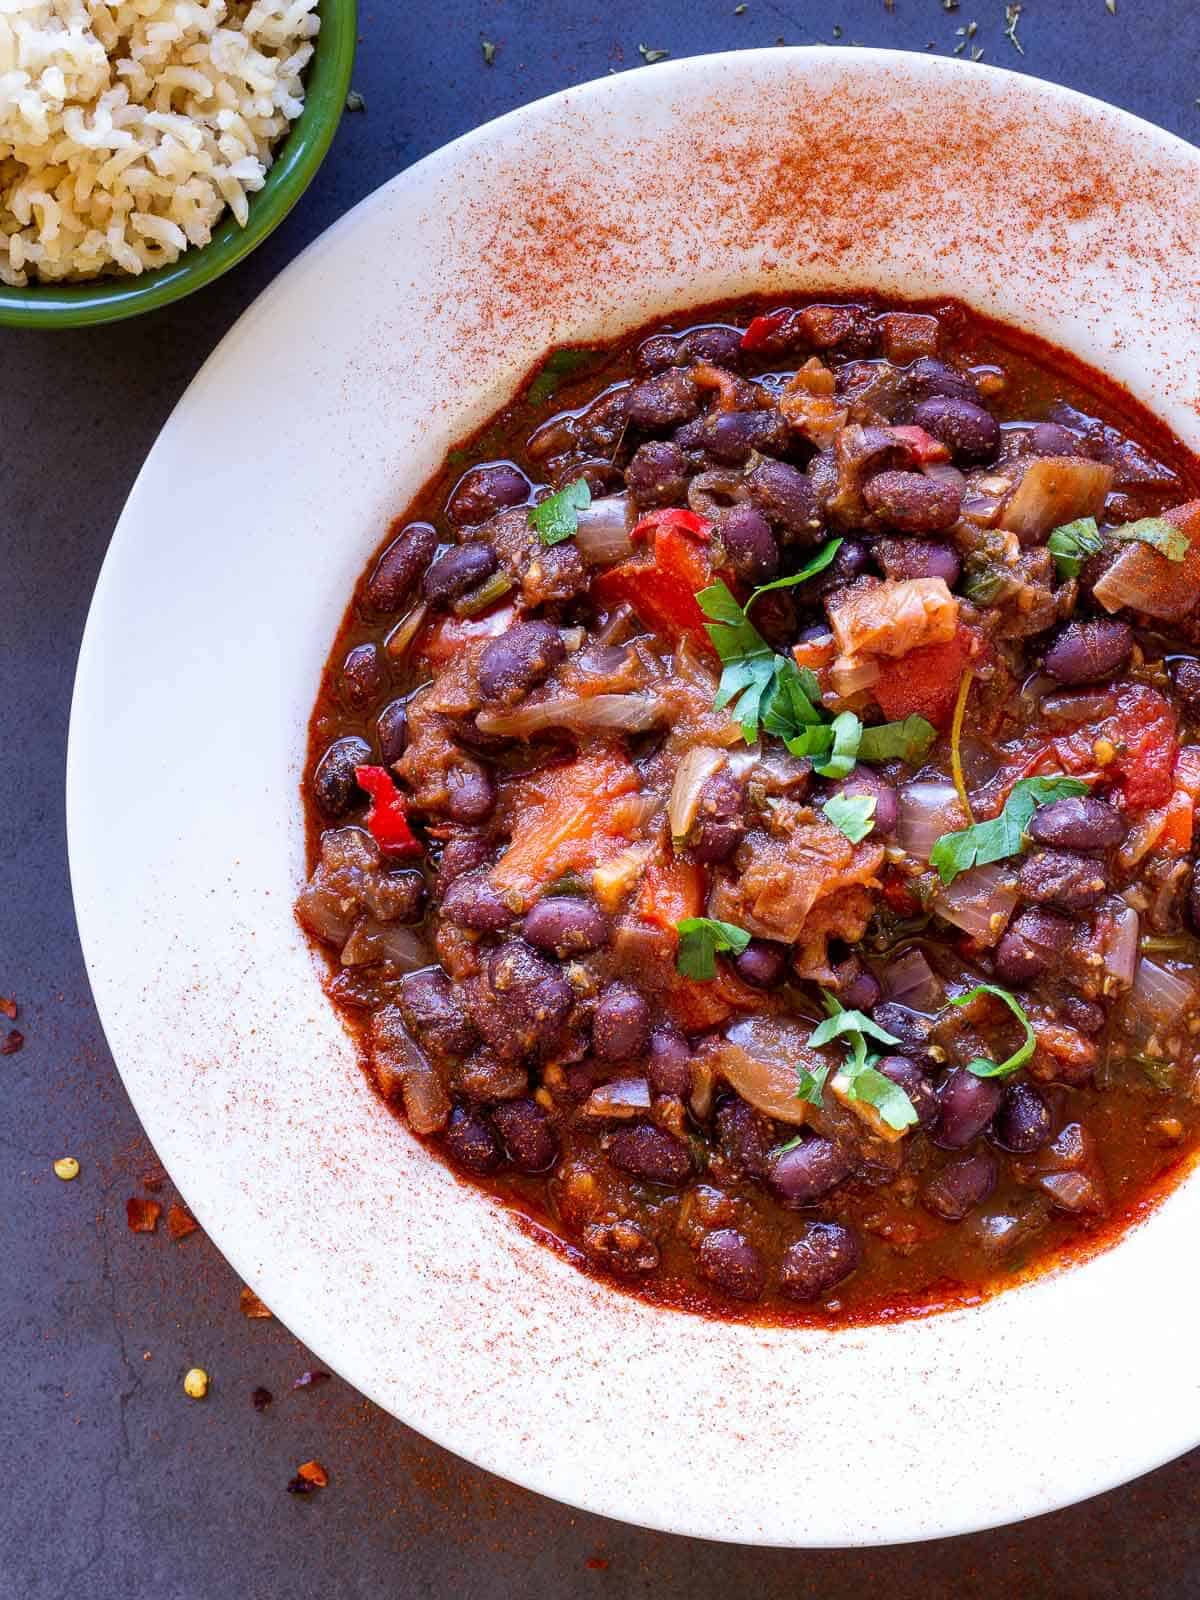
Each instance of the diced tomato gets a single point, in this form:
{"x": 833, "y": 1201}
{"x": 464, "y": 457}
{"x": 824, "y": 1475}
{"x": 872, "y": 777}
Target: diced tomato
{"x": 899, "y": 894}
{"x": 1181, "y": 809}
{"x": 388, "y": 816}
{"x": 670, "y": 892}
{"x": 663, "y": 591}
{"x": 566, "y": 820}
{"x": 815, "y": 653}
{"x": 449, "y": 635}
{"x": 925, "y": 681}
{"x": 1144, "y": 733}
{"x": 672, "y": 517}
{"x": 923, "y": 445}
{"x": 764, "y": 328}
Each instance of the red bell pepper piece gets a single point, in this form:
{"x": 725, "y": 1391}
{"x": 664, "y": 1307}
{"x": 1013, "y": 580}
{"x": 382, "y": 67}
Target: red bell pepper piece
{"x": 388, "y": 817}
{"x": 763, "y": 329}
{"x": 672, "y": 517}
{"x": 663, "y": 591}
{"x": 925, "y": 681}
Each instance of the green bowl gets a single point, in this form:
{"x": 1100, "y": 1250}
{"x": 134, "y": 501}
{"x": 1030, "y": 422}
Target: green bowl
{"x": 81, "y": 305}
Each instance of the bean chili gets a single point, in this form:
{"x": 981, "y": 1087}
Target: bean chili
{"x": 751, "y": 805}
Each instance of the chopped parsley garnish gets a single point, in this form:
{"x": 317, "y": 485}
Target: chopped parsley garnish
{"x": 1157, "y": 532}
{"x": 557, "y": 517}
{"x": 847, "y": 732}
{"x": 981, "y": 1066}
{"x": 1073, "y": 543}
{"x": 810, "y": 1086}
{"x": 756, "y": 684}
{"x": 858, "y": 1074}
{"x": 650, "y": 56}
{"x": 1004, "y": 835}
{"x": 818, "y": 564}
{"x": 909, "y": 740}
{"x": 701, "y": 940}
{"x": 853, "y": 814}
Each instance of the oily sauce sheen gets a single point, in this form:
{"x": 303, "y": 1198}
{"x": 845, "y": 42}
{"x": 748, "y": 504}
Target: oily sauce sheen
{"x": 508, "y": 959}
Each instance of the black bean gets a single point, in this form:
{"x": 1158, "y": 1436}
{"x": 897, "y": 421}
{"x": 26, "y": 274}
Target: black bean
{"x": 749, "y": 544}
{"x": 362, "y": 677}
{"x": 861, "y": 992}
{"x": 657, "y": 474}
{"x": 521, "y": 1001}
{"x": 621, "y": 1024}
{"x": 669, "y": 1067}
{"x": 471, "y": 1142}
{"x": 1079, "y": 823}
{"x": 434, "y": 1013}
{"x": 787, "y": 496}
{"x": 1185, "y": 678}
{"x": 1086, "y": 1016}
{"x": 457, "y": 571}
{"x": 1030, "y": 945}
{"x": 334, "y": 786}
{"x": 652, "y": 1154}
{"x": 472, "y": 903}
{"x": 915, "y": 1084}
{"x": 960, "y": 1186}
{"x": 470, "y": 792}
{"x": 728, "y": 1261}
{"x": 929, "y": 376}
{"x": 657, "y": 353}
{"x": 391, "y": 729}
{"x": 1022, "y": 1123}
{"x": 720, "y": 347}
{"x": 967, "y": 1105}
{"x": 972, "y": 433}
{"x": 732, "y": 437}
{"x": 823, "y": 1255}
{"x": 459, "y": 855}
{"x": 1052, "y": 439}
{"x": 664, "y": 401}
{"x": 911, "y": 1028}
{"x": 912, "y": 502}
{"x": 745, "y": 1136}
{"x": 918, "y": 558}
{"x": 518, "y": 660}
{"x": 719, "y": 822}
{"x": 400, "y": 565}
{"x": 1089, "y": 652}
{"x": 806, "y": 1172}
{"x": 483, "y": 491}
{"x": 1061, "y": 878}
{"x": 762, "y": 964}
{"x": 565, "y": 925}
{"x": 531, "y": 1142}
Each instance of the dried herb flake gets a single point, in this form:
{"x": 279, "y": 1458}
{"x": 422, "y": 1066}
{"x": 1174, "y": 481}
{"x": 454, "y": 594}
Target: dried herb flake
{"x": 651, "y": 56}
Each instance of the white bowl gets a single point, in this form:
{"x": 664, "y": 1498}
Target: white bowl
{"x": 319, "y": 416}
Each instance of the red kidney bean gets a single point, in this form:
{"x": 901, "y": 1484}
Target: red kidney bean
{"x": 972, "y": 433}
{"x": 966, "y": 1105}
{"x": 912, "y": 502}
{"x": 471, "y": 902}
{"x": 470, "y": 792}
{"x": 719, "y": 825}
{"x": 1089, "y": 652}
{"x": 728, "y": 1261}
{"x": 787, "y": 497}
{"x": 719, "y": 346}
{"x": 823, "y": 1256}
{"x": 918, "y": 558}
{"x": 518, "y": 660}
{"x": 334, "y": 786}
{"x": 806, "y": 1172}
{"x": 434, "y": 1013}
{"x": 1030, "y": 945}
{"x": 1051, "y": 439}
{"x": 621, "y": 1024}
{"x": 471, "y": 1143}
{"x": 762, "y": 964}
{"x": 521, "y": 1000}
{"x": 657, "y": 474}
{"x": 531, "y": 1142}
{"x": 1085, "y": 1016}
{"x": 459, "y": 855}
{"x": 663, "y": 402}
{"x": 669, "y": 1067}
{"x": 565, "y": 925}
{"x": 1185, "y": 679}
{"x": 1061, "y": 878}
{"x": 483, "y": 491}
{"x": 929, "y": 376}
{"x": 749, "y": 544}
{"x": 960, "y": 1186}
{"x": 652, "y": 1154}
{"x": 915, "y": 1084}
{"x": 399, "y": 567}
{"x": 1023, "y": 1122}
{"x": 745, "y": 1136}
{"x": 457, "y": 571}
{"x": 731, "y": 437}
{"x": 362, "y": 677}
{"x": 391, "y": 729}
{"x": 1079, "y": 823}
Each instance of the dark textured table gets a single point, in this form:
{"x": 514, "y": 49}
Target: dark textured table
{"x": 114, "y": 1483}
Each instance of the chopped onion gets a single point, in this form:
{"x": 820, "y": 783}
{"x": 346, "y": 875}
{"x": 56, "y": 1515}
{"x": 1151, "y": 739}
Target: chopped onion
{"x": 1142, "y": 838}
{"x": 911, "y": 981}
{"x": 602, "y": 535}
{"x": 692, "y": 773}
{"x": 980, "y": 902}
{"x": 927, "y": 810}
{"x": 1143, "y": 578}
{"x": 849, "y": 674}
{"x": 402, "y": 1067}
{"x": 1121, "y": 949}
{"x": 1162, "y": 996}
{"x": 740, "y": 762}
{"x": 323, "y": 913}
{"x": 1054, "y": 490}
{"x": 618, "y": 713}
{"x": 758, "y": 1059}
{"x": 945, "y": 472}
{"x": 1072, "y": 1191}
{"x": 982, "y": 509}
{"x": 373, "y": 940}
{"x": 624, "y": 1097}
{"x": 399, "y": 641}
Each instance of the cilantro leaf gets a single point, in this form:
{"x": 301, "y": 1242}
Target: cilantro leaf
{"x": 1157, "y": 532}
{"x": 847, "y": 731}
{"x": 858, "y": 1077}
{"x": 867, "y": 1083}
{"x": 701, "y": 940}
{"x": 557, "y": 517}
{"x": 980, "y": 1066}
{"x": 1072, "y": 544}
{"x": 841, "y": 1023}
{"x": 818, "y": 564}
{"x": 853, "y": 814}
{"x": 906, "y": 741}
{"x": 1002, "y": 836}
{"x": 766, "y": 687}
{"x": 810, "y": 1086}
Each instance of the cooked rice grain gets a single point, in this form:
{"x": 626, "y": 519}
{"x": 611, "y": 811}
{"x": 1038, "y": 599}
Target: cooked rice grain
{"x": 126, "y": 128}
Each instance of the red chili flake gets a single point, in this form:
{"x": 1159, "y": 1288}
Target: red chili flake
{"x": 8, "y": 1008}
{"x": 596, "y": 1564}
{"x": 12, "y": 1042}
{"x": 309, "y": 1380}
{"x": 251, "y": 1305}
{"x": 153, "y": 1179}
{"x": 180, "y": 1222}
{"x": 142, "y": 1215}
{"x": 261, "y": 1398}
{"x": 313, "y": 1472}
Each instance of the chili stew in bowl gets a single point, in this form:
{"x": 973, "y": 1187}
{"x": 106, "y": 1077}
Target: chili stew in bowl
{"x": 751, "y": 809}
